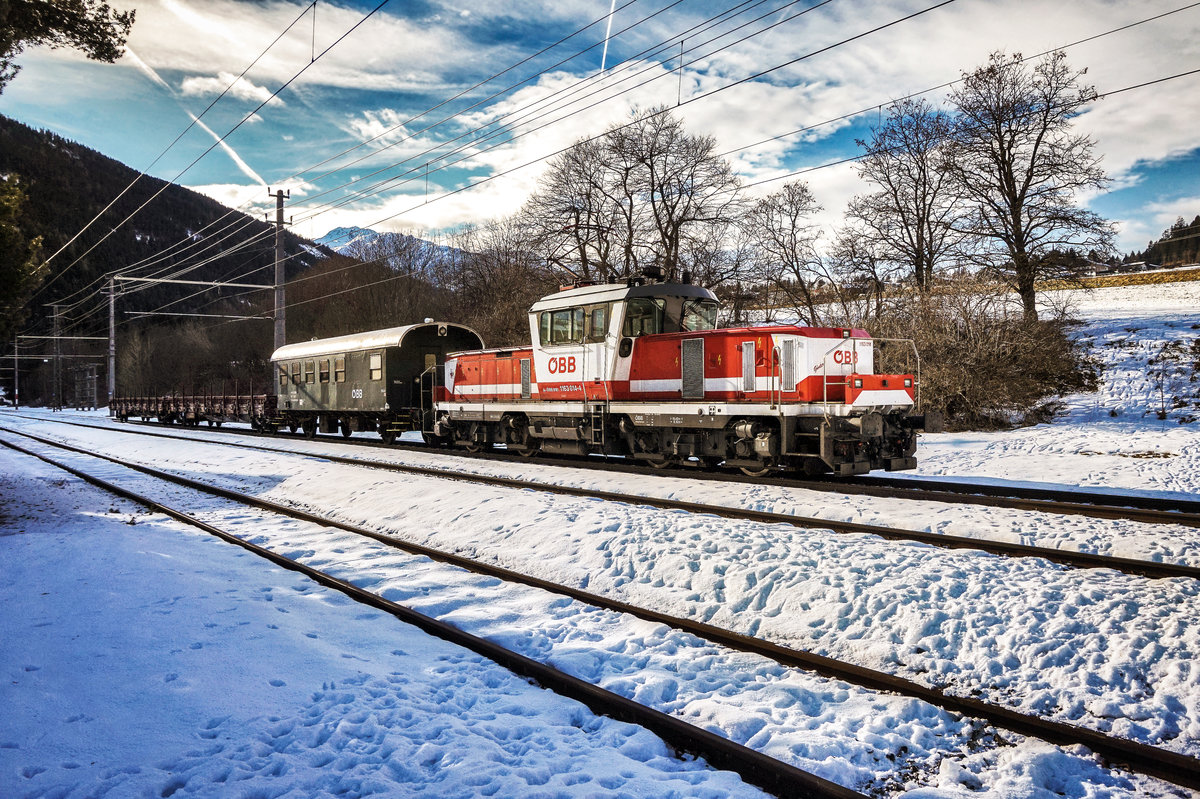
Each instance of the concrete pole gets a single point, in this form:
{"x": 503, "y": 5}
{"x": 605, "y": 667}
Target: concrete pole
{"x": 112, "y": 340}
{"x": 56, "y": 390}
{"x": 16, "y": 376}
{"x": 280, "y": 315}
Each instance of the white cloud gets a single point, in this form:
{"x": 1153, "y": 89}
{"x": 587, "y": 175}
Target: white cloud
{"x": 243, "y": 89}
{"x": 1138, "y": 128}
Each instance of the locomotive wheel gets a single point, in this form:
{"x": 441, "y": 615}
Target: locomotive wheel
{"x": 756, "y": 472}
{"x": 666, "y": 464}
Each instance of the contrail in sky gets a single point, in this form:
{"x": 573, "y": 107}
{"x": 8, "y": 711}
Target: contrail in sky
{"x": 607, "y": 32}
{"x": 233, "y": 156}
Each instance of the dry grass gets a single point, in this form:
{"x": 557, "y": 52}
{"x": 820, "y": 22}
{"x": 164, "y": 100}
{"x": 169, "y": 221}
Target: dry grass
{"x": 1131, "y": 279}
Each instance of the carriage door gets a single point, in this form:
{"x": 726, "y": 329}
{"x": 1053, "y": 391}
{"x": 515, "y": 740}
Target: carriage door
{"x": 692, "y": 364}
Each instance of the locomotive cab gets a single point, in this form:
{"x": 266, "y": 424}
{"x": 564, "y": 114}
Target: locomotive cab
{"x": 583, "y": 338}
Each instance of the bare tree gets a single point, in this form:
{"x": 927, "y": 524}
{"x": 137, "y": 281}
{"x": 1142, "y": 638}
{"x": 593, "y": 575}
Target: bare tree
{"x": 785, "y": 241}
{"x": 687, "y": 186}
{"x": 495, "y": 278}
{"x": 863, "y": 268}
{"x": 1021, "y": 167}
{"x": 573, "y": 215}
{"x": 643, "y": 192}
{"x": 913, "y": 214}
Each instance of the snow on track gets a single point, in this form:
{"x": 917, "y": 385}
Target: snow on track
{"x": 142, "y": 657}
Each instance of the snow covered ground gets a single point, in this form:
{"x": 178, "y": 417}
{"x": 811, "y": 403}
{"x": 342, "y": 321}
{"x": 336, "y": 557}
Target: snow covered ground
{"x": 176, "y": 653}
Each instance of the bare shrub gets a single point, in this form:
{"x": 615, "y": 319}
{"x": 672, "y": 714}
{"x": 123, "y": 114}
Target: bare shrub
{"x": 983, "y": 363}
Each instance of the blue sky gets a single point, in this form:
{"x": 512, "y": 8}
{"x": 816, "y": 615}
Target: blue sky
{"x": 412, "y": 56}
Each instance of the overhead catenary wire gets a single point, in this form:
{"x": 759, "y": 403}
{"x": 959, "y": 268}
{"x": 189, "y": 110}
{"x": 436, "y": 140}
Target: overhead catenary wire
{"x": 553, "y": 100}
{"x": 822, "y": 166}
{"x": 848, "y": 160}
{"x": 439, "y": 105}
{"x": 215, "y": 144}
{"x": 670, "y": 40}
{"x": 195, "y": 121}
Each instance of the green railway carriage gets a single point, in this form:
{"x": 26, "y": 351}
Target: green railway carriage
{"x": 364, "y": 381}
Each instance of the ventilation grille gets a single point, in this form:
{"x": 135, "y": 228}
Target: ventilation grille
{"x": 693, "y": 368}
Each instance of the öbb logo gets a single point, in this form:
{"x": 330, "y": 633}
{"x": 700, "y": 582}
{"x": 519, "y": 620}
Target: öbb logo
{"x": 845, "y": 357}
{"x": 563, "y": 364}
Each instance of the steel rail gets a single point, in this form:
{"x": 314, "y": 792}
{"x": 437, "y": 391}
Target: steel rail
{"x": 1152, "y": 761}
{"x": 775, "y": 776}
{"x": 1064, "y": 557}
{"x": 1092, "y": 504}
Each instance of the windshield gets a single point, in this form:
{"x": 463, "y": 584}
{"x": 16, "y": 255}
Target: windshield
{"x": 699, "y": 315}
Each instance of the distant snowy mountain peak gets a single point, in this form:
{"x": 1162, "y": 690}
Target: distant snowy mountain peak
{"x": 341, "y": 238}
{"x": 399, "y": 250}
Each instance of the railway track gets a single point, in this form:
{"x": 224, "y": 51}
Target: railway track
{"x": 1065, "y": 557}
{"x": 775, "y": 776}
{"x": 1145, "y": 759}
{"x": 1094, "y": 504}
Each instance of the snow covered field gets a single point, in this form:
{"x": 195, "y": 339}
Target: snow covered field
{"x": 191, "y": 670}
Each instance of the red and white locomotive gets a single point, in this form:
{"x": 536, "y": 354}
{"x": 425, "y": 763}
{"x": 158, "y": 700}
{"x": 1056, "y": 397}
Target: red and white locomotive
{"x": 641, "y": 370}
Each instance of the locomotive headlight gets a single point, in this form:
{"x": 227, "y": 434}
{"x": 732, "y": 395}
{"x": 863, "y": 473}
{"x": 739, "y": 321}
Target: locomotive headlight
{"x": 908, "y": 382}
{"x": 858, "y": 382}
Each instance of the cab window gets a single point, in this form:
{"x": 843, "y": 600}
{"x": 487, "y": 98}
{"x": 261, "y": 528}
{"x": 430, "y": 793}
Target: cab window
{"x": 699, "y": 315}
{"x": 643, "y": 317}
{"x": 562, "y": 327}
{"x": 597, "y": 322}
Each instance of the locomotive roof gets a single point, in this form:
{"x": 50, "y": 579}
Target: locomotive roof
{"x": 367, "y": 340}
{"x": 611, "y": 292}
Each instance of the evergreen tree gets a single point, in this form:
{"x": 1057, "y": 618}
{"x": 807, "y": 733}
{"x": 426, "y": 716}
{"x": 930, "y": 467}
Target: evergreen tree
{"x": 19, "y": 256}
{"x": 87, "y": 25}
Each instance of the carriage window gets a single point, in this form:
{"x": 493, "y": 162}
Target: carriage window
{"x": 376, "y": 367}
{"x": 643, "y": 316}
{"x": 283, "y": 375}
{"x": 309, "y": 372}
{"x": 339, "y": 369}
{"x": 295, "y": 371}
{"x": 323, "y": 370}
{"x": 699, "y": 315}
